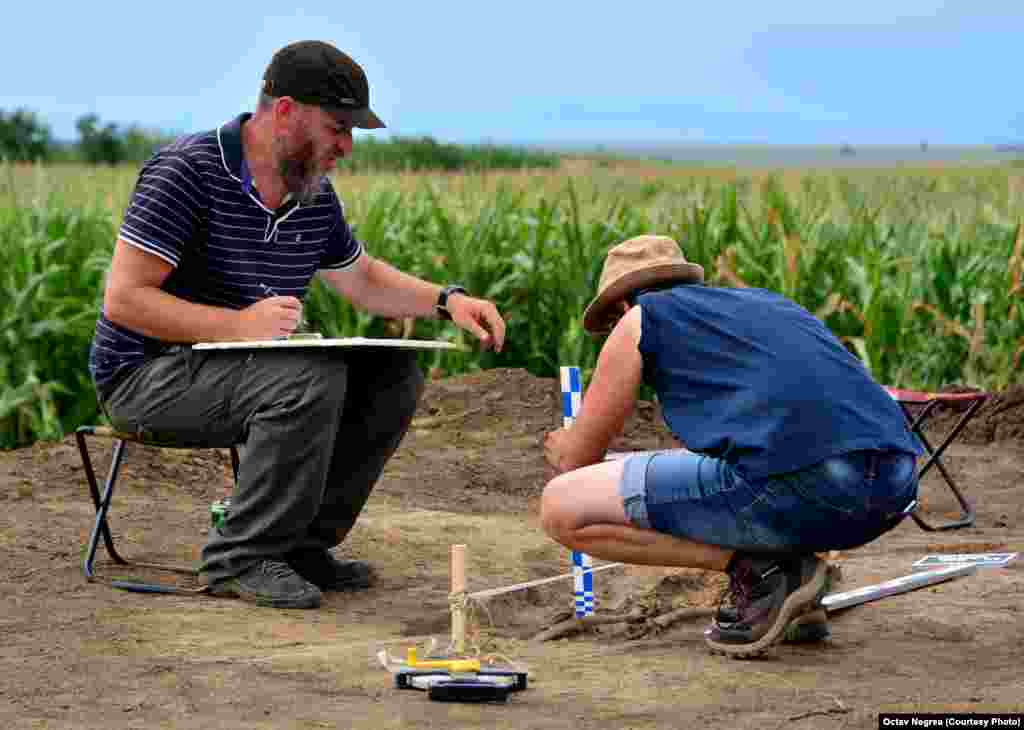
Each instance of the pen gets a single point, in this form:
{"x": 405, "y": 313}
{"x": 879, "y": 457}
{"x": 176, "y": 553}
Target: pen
{"x": 302, "y": 327}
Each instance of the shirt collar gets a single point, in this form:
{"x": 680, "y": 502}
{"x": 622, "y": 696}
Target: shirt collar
{"x": 229, "y": 137}
{"x": 232, "y": 155}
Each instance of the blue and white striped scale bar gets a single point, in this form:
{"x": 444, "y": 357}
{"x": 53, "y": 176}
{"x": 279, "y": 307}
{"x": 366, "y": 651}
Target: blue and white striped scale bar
{"x": 572, "y": 395}
{"x": 582, "y": 564}
{"x": 583, "y": 580}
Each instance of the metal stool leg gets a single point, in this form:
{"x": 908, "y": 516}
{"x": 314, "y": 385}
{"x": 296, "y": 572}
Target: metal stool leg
{"x": 101, "y": 528}
{"x": 100, "y": 502}
{"x": 967, "y": 513}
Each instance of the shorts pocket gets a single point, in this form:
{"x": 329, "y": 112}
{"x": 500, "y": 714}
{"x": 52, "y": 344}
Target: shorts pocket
{"x": 835, "y": 486}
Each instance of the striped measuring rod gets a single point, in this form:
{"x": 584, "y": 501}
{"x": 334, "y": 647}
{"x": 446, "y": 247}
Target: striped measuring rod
{"x": 582, "y": 564}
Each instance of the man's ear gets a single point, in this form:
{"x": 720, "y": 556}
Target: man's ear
{"x": 285, "y": 110}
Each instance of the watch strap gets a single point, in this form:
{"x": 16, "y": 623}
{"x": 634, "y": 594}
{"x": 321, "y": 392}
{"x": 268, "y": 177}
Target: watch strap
{"x": 442, "y": 300}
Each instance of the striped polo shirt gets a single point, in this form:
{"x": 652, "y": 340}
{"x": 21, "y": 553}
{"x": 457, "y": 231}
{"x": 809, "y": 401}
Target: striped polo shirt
{"x": 195, "y": 206}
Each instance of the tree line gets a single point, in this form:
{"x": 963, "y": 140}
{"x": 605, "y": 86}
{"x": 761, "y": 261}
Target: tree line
{"x": 25, "y": 137}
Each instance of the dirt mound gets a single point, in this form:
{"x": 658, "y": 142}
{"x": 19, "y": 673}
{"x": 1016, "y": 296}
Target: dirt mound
{"x": 189, "y": 472}
{"x": 1001, "y": 418}
{"x": 502, "y": 401}
{"x": 479, "y": 437}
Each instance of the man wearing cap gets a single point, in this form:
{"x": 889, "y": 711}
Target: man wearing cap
{"x": 221, "y": 238}
{"x": 792, "y": 448}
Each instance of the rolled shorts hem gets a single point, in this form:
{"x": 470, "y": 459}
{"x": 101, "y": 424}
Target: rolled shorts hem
{"x": 633, "y": 489}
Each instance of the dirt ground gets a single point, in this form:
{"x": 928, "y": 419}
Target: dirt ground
{"x": 77, "y": 654}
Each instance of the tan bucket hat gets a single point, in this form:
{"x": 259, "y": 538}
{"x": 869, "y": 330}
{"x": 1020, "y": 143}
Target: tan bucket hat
{"x": 637, "y": 263}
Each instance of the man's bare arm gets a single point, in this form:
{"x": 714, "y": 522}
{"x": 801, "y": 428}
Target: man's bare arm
{"x": 133, "y": 299}
{"x": 380, "y": 288}
{"x": 611, "y": 395}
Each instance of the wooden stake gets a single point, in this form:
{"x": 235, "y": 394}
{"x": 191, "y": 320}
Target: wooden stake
{"x": 457, "y": 598}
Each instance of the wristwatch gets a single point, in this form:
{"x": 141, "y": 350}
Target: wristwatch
{"x": 442, "y": 300}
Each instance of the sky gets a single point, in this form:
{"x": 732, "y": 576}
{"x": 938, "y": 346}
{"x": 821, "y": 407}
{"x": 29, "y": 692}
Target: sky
{"x": 531, "y": 72}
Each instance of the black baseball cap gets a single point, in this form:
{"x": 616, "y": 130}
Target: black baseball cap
{"x": 317, "y": 73}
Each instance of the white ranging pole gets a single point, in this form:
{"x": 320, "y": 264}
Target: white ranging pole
{"x": 582, "y": 564}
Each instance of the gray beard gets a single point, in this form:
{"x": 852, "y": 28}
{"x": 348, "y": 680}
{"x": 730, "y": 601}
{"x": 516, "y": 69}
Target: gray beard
{"x": 299, "y": 181}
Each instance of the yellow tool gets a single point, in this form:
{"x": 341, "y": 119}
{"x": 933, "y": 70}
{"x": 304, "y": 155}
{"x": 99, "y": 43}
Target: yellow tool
{"x": 450, "y": 665}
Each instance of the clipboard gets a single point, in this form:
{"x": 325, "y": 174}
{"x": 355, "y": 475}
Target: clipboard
{"x": 307, "y": 342}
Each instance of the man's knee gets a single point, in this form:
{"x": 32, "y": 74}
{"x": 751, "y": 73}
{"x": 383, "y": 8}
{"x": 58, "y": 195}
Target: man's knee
{"x": 557, "y": 517}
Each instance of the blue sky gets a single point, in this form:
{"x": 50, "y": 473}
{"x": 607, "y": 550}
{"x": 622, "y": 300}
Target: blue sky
{"x": 869, "y": 72}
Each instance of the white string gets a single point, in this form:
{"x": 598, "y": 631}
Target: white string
{"x": 530, "y": 584}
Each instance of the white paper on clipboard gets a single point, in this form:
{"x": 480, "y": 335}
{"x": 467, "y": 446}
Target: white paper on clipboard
{"x": 304, "y": 342}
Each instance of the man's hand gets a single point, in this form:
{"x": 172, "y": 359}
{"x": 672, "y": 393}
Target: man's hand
{"x": 480, "y": 317}
{"x": 269, "y": 318}
{"x": 558, "y": 450}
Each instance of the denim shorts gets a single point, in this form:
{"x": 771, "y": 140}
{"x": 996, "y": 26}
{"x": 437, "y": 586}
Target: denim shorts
{"x": 838, "y": 504}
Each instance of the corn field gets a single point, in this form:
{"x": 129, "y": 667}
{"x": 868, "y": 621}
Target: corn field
{"x": 918, "y": 272}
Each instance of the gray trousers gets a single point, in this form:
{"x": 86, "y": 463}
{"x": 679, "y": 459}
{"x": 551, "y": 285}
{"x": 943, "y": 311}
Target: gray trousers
{"x": 314, "y": 427}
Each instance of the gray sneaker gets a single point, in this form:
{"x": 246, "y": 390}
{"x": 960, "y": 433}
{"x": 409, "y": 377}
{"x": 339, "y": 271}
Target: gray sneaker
{"x": 270, "y": 583}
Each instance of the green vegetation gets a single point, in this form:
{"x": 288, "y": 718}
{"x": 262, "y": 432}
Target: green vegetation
{"x": 919, "y": 273}
{"x": 110, "y": 144}
{"x": 52, "y": 262}
{"x": 25, "y": 137}
{"x": 417, "y": 154}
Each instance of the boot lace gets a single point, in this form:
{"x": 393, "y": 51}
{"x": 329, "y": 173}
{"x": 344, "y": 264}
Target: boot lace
{"x": 738, "y": 595}
{"x": 277, "y": 569}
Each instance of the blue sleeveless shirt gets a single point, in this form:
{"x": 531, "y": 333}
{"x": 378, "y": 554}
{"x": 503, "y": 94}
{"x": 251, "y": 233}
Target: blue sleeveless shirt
{"x": 750, "y": 377}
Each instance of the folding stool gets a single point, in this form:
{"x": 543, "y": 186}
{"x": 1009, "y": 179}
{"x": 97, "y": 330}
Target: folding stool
{"x": 101, "y": 500}
{"x": 917, "y": 408}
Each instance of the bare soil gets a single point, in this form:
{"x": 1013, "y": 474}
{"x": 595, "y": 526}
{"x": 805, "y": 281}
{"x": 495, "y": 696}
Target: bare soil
{"x": 79, "y": 654}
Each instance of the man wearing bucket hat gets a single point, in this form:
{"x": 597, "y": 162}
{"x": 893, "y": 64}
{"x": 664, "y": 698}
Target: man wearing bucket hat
{"x": 792, "y": 448}
{"x": 220, "y": 241}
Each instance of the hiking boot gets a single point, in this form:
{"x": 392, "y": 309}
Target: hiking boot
{"x": 270, "y": 583}
{"x": 327, "y": 573}
{"x": 769, "y": 592}
{"x": 806, "y": 629}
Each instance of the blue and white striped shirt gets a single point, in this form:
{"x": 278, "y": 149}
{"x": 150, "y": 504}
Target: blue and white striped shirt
{"x": 195, "y": 207}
